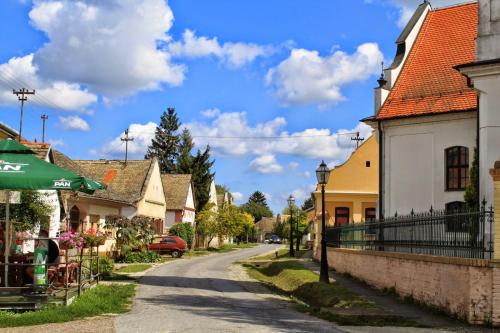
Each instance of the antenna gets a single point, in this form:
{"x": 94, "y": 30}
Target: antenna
{"x": 358, "y": 139}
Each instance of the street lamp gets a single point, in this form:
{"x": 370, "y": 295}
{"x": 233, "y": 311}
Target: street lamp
{"x": 322, "y": 174}
{"x": 291, "y": 201}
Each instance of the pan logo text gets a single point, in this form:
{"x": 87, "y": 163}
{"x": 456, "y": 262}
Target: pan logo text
{"x": 62, "y": 183}
{"x": 11, "y": 167}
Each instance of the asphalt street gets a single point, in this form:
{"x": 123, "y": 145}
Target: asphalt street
{"x": 199, "y": 295}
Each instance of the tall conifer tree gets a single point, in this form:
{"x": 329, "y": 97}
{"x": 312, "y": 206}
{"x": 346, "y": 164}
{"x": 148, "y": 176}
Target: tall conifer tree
{"x": 165, "y": 144}
{"x": 202, "y": 177}
{"x": 185, "y": 159}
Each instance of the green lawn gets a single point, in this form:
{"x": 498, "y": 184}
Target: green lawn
{"x": 109, "y": 299}
{"x": 292, "y": 278}
{"x": 133, "y": 268}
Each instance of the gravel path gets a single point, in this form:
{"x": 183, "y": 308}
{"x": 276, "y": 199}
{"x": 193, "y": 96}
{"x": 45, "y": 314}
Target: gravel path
{"x": 199, "y": 295}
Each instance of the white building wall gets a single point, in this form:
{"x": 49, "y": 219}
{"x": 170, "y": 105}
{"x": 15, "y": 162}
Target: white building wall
{"x": 414, "y": 160}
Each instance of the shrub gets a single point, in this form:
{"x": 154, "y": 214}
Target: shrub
{"x": 106, "y": 265}
{"x": 142, "y": 257}
{"x": 184, "y": 231}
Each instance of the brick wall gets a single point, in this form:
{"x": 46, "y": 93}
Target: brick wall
{"x": 468, "y": 288}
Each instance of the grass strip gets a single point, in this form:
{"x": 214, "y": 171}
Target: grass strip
{"x": 133, "y": 268}
{"x": 109, "y": 299}
{"x": 291, "y": 277}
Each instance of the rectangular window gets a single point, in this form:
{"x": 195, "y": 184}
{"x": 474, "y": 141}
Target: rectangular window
{"x": 456, "y": 222}
{"x": 457, "y": 168}
{"x": 370, "y": 217}
{"x": 341, "y": 216}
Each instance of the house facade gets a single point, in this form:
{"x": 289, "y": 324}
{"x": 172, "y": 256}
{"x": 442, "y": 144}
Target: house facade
{"x": 179, "y": 200}
{"x": 134, "y": 188}
{"x": 265, "y": 227}
{"x": 426, "y": 113}
{"x": 352, "y": 190}
{"x": 351, "y": 194}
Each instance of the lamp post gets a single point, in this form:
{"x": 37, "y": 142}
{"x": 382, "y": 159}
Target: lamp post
{"x": 291, "y": 201}
{"x": 297, "y": 236}
{"x": 322, "y": 174}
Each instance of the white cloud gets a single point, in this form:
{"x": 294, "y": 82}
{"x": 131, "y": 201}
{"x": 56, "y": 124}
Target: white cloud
{"x": 73, "y": 123}
{"x": 240, "y": 138}
{"x": 301, "y": 194}
{"x": 265, "y": 164}
{"x": 268, "y": 196}
{"x": 56, "y": 142}
{"x": 110, "y": 46}
{"x": 407, "y": 8}
{"x": 306, "y": 77}
{"x": 306, "y": 174}
{"x": 293, "y": 165}
{"x": 20, "y": 72}
{"x": 210, "y": 113}
{"x": 142, "y": 134}
{"x": 237, "y": 196}
{"x": 230, "y": 134}
{"x": 234, "y": 55}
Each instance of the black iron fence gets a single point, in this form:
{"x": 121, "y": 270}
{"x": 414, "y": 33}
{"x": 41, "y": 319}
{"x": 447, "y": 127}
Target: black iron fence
{"x": 465, "y": 234}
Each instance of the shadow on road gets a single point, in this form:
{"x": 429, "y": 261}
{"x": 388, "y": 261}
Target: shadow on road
{"x": 212, "y": 284}
{"x": 256, "y": 312}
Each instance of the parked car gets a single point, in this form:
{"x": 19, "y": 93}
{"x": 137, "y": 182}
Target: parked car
{"x": 172, "y": 245}
{"x": 274, "y": 239}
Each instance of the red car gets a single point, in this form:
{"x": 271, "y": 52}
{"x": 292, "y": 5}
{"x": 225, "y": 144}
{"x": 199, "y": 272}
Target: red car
{"x": 172, "y": 245}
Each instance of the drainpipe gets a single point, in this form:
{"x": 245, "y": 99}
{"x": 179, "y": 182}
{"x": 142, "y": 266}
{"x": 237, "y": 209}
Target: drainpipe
{"x": 380, "y": 170}
{"x": 380, "y": 184}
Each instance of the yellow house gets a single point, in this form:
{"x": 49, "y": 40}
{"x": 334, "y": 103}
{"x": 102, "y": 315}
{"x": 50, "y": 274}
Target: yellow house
{"x": 352, "y": 191}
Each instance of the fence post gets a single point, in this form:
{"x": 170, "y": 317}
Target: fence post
{"x": 495, "y": 173}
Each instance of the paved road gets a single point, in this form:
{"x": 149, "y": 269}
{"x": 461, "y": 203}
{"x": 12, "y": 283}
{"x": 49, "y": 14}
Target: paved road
{"x": 198, "y": 295}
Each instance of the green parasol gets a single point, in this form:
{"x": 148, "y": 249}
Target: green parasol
{"x": 20, "y": 169}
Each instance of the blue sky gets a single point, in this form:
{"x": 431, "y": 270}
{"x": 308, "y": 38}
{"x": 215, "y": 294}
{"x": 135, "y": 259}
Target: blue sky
{"x": 300, "y": 70}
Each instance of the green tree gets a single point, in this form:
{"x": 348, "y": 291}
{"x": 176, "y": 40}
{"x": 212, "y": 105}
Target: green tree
{"x": 184, "y": 231}
{"x": 206, "y": 223}
{"x": 165, "y": 144}
{"x": 131, "y": 234}
{"x": 258, "y": 198}
{"x": 471, "y": 195}
{"x": 185, "y": 158}
{"x": 308, "y": 203}
{"x": 30, "y": 212}
{"x": 300, "y": 217}
{"x": 221, "y": 189}
{"x": 202, "y": 177}
{"x": 257, "y": 206}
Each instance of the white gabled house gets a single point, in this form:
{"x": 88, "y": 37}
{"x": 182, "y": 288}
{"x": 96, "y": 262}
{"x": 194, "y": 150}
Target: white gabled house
{"x": 179, "y": 199}
{"x": 426, "y": 113}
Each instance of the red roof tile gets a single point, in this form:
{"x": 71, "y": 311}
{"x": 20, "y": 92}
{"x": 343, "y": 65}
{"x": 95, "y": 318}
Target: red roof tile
{"x": 428, "y": 83}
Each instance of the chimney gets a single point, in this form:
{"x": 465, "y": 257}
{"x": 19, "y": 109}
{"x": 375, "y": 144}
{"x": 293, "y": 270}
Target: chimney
{"x": 488, "y": 41}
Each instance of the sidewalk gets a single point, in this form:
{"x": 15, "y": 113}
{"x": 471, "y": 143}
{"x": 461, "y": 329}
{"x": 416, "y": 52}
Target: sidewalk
{"x": 392, "y": 305}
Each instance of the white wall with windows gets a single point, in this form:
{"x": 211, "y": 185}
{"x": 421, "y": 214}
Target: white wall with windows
{"x": 414, "y": 157}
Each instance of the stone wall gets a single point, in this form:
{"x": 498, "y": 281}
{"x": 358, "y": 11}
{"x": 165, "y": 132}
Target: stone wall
{"x": 468, "y": 288}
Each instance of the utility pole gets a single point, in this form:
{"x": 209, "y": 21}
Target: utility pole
{"x": 44, "y": 118}
{"x": 21, "y": 96}
{"x": 126, "y": 139}
{"x": 357, "y": 139}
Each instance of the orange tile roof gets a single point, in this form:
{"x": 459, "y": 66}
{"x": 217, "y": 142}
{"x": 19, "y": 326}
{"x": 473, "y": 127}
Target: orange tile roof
{"x": 428, "y": 83}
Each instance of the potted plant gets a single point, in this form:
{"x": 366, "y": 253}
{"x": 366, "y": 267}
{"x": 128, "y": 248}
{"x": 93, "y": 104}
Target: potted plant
{"x": 93, "y": 238}
{"x": 70, "y": 240}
